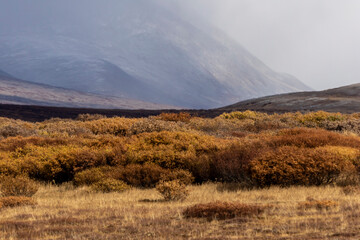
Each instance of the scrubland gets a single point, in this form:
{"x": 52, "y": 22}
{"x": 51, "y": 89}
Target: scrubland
{"x": 242, "y": 175}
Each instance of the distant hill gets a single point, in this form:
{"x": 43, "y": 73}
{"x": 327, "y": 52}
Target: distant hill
{"x": 135, "y": 49}
{"x": 344, "y": 99}
{"x": 15, "y": 91}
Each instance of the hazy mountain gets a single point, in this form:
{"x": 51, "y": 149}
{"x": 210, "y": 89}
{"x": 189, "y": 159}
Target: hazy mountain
{"x": 344, "y": 99}
{"x": 15, "y": 91}
{"x": 131, "y": 48}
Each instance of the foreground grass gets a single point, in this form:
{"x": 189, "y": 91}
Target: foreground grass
{"x": 67, "y": 213}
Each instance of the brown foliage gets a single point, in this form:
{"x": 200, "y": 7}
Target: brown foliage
{"x": 318, "y": 204}
{"x": 311, "y": 138}
{"x": 290, "y": 165}
{"x": 172, "y": 190}
{"x": 223, "y": 210}
{"x": 147, "y": 175}
{"x": 16, "y": 201}
{"x": 175, "y": 117}
{"x": 17, "y": 186}
{"x": 110, "y": 185}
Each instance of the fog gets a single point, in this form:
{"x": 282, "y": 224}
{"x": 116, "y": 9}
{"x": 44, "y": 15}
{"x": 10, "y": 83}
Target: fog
{"x": 316, "y": 41}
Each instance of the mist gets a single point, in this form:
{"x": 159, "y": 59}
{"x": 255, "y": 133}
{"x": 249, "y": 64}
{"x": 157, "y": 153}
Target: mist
{"x": 316, "y": 41}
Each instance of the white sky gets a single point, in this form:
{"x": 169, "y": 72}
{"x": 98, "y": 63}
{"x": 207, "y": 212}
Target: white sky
{"x": 318, "y": 41}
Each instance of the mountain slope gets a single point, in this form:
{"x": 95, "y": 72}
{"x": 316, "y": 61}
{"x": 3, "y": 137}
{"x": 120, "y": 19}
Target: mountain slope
{"x": 135, "y": 49}
{"x": 344, "y": 99}
{"x": 14, "y": 91}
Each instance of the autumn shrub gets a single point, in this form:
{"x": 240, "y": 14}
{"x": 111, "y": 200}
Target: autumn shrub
{"x": 89, "y": 117}
{"x": 16, "y": 201}
{"x": 175, "y": 117}
{"x": 171, "y": 150}
{"x": 184, "y": 176}
{"x": 311, "y": 118}
{"x": 223, "y": 210}
{"x": 110, "y": 185}
{"x": 232, "y": 164}
{"x": 173, "y": 190}
{"x": 116, "y": 126}
{"x": 62, "y": 128}
{"x": 13, "y": 130}
{"x": 244, "y": 115}
{"x": 290, "y": 165}
{"x": 88, "y": 177}
{"x": 318, "y": 204}
{"x": 17, "y": 186}
{"x": 311, "y": 138}
{"x": 154, "y": 125}
{"x": 137, "y": 175}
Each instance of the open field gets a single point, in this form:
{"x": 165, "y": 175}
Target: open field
{"x": 67, "y": 213}
{"x": 241, "y": 175}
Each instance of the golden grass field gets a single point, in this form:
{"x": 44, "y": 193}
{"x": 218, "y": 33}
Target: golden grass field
{"x": 248, "y": 175}
{"x": 64, "y": 212}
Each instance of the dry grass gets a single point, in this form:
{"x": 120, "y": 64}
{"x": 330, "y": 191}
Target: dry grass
{"x": 68, "y": 213}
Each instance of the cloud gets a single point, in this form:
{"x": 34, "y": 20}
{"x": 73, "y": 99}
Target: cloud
{"x": 317, "y": 41}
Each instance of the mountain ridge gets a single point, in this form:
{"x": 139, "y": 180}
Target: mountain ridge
{"x": 344, "y": 99}
{"x": 16, "y": 91}
{"x": 132, "y": 49}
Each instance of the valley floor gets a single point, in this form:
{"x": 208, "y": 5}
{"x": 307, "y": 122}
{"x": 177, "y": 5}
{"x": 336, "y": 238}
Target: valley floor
{"x": 65, "y": 212}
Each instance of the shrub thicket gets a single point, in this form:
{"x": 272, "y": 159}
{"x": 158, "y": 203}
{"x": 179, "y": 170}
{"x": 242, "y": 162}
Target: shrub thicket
{"x": 223, "y": 210}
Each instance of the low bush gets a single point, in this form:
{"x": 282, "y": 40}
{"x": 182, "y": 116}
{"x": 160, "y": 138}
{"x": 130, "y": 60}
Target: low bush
{"x": 172, "y": 190}
{"x": 16, "y": 201}
{"x": 17, "y": 186}
{"x": 223, "y": 210}
{"x": 175, "y": 117}
{"x": 110, "y": 185}
{"x": 287, "y": 166}
{"x": 145, "y": 176}
{"x": 184, "y": 177}
{"x": 88, "y": 177}
{"x": 318, "y": 204}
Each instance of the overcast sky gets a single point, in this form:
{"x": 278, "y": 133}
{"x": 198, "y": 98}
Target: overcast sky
{"x": 318, "y": 41}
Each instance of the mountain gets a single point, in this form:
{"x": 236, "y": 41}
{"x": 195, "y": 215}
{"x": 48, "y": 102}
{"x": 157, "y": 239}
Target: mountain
{"x": 344, "y": 99}
{"x": 131, "y": 48}
{"x": 15, "y": 91}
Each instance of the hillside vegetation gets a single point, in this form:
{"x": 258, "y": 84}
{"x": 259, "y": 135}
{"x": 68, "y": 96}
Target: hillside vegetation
{"x": 172, "y": 153}
{"x": 253, "y": 148}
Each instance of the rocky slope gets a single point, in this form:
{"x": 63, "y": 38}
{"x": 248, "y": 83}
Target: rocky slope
{"x": 134, "y": 49}
{"x": 344, "y": 99}
{"x": 15, "y": 91}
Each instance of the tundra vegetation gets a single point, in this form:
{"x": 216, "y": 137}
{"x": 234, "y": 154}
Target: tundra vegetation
{"x": 243, "y": 175}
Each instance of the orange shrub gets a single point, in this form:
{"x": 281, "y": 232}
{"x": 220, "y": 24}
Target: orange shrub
{"x": 298, "y": 166}
{"x": 175, "y": 117}
{"x": 110, "y": 185}
{"x": 172, "y": 190}
{"x": 223, "y": 210}
{"x": 311, "y": 138}
{"x": 233, "y": 163}
{"x": 17, "y": 186}
{"x": 184, "y": 177}
{"x": 147, "y": 175}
